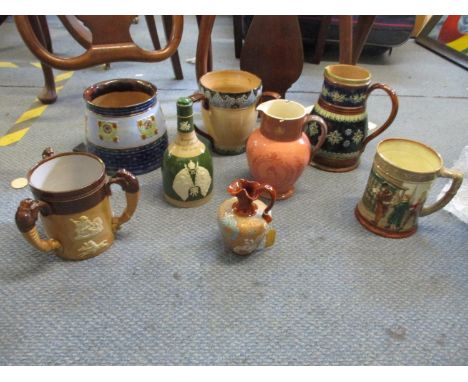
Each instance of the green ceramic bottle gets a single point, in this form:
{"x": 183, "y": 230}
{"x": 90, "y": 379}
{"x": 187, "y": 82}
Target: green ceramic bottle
{"x": 187, "y": 166}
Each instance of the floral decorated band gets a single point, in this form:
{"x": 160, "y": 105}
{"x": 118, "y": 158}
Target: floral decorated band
{"x": 343, "y": 96}
{"x": 231, "y": 100}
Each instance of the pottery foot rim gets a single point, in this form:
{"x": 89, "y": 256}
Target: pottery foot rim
{"x": 280, "y": 196}
{"x": 334, "y": 169}
{"x": 380, "y": 231}
{"x": 190, "y": 204}
{"x": 229, "y": 151}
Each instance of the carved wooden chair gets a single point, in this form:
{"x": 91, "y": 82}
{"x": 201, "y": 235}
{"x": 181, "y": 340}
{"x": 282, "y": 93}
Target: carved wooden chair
{"x": 105, "y": 38}
{"x": 277, "y": 56}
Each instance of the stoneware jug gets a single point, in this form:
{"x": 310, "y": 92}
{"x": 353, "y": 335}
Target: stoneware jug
{"x": 400, "y": 180}
{"x": 278, "y": 151}
{"x": 187, "y": 167}
{"x": 244, "y": 220}
{"x": 125, "y": 125}
{"x": 342, "y": 104}
{"x": 71, "y": 192}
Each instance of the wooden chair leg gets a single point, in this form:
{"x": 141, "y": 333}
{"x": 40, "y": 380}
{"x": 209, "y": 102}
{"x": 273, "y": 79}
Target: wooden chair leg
{"x": 321, "y": 39}
{"x": 363, "y": 28}
{"x": 203, "y": 63}
{"x": 153, "y": 32}
{"x": 46, "y": 32}
{"x": 48, "y": 94}
{"x": 237, "y": 25}
{"x": 167, "y": 24}
{"x": 346, "y": 39}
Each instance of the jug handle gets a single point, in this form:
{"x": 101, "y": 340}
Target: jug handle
{"x": 323, "y": 132}
{"x": 393, "y": 97}
{"x": 26, "y": 218}
{"x": 268, "y": 93}
{"x": 130, "y": 185}
{"x": 270, "y": 190}
{"x": 457, "y": 179}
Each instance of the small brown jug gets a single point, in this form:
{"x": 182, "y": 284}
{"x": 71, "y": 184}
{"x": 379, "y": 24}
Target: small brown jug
{"x": 245, "y": 221}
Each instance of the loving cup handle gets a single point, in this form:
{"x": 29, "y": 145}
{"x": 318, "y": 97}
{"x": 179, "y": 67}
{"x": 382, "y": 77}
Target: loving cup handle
{"x": 323, "y": 132}
{"x": 130, "y": 185}
{"x": 26, "y": 218}
{"x": 457, "y": 179}
{"x": 394, "y": 99}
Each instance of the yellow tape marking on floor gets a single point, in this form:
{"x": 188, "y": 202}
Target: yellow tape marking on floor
{"x": 13, "y": 137}
{"x": 36, "y": 64}
{"x": 63, "y": 76}
{"x": 5, "y": 64}
{"x": 30, "y": 114}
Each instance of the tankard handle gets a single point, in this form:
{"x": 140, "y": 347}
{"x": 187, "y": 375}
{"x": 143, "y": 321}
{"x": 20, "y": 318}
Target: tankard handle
{"x": 130, "y": 185}
{"x": 26, "y": 218}
{"x": 457, "y": 179}
{"x": 323, "y": 132}
{"x": 393, "y": 97}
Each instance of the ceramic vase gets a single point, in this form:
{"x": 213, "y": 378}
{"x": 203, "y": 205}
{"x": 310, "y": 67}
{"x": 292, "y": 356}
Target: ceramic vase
{"x": 187, "y": 166}
{"x": 244, "y": 220}
{"x": 278, "y": 151}
{"x": 342, "y": 104}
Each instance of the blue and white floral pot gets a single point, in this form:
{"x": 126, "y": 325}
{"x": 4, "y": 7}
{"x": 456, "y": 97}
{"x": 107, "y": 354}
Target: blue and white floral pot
{"x": 125, "y": 125}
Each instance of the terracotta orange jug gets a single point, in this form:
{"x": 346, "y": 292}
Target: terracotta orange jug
{"x": 278, "y": 151}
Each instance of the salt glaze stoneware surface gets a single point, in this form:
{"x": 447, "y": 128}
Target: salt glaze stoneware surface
{"x": 125, "y": 125}
{"x": 187, "y": 165}
{"x": 401, "y": 177}
{"x": 342, "y": 104}
{"x": 71, "y": 193}
{"x": 278, "y": 151}
{"x": 244, "y": 220}
{"x": 228, "y": 111}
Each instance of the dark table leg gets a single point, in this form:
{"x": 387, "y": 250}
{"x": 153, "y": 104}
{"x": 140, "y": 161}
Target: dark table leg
{"x": 346, "y": 39}
{"x": 237, "y": 25}
{"x": 363, "y": 28}
{"x": 321, "y": 39}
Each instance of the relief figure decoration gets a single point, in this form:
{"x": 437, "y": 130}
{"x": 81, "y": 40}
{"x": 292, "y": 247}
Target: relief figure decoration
{"x": 85, "y": 227}
{"x": 192, "y": 182}
{"x": 91, "y": 247}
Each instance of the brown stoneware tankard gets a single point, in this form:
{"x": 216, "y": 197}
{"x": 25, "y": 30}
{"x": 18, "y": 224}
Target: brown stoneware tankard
{"x": 71, "y": 193}
{"x": 342, "y": 104}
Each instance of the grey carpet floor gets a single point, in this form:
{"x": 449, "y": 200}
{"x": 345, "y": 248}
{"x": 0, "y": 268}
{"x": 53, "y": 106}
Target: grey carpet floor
{"x": 328, "y": 293}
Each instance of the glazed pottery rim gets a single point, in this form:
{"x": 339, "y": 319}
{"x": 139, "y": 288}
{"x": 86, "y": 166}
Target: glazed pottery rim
{"x": 230, "y": 72}
{"x": 355, "y": 80}
{"x": 72, "y": 193}
{"x": 414, "y": 142}
{"x": 89, "y": 93}
{"x": 284, "y": 101}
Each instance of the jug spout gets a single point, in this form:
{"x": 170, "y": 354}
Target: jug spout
{"x": 265, "y": 106}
